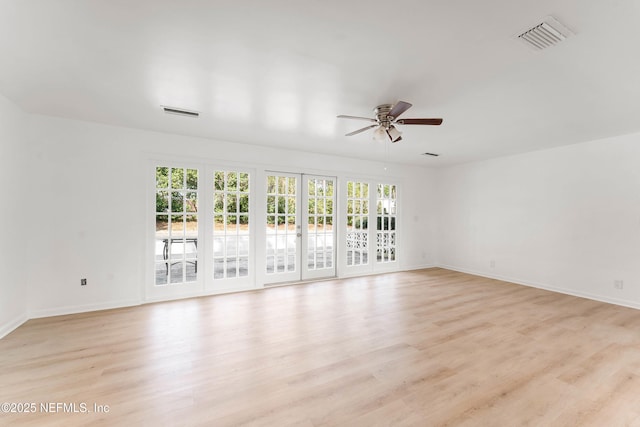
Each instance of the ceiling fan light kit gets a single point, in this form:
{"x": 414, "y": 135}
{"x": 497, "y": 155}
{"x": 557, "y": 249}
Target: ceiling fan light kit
{"x": 386, "y": 117}
{"x": 380, "y": 134}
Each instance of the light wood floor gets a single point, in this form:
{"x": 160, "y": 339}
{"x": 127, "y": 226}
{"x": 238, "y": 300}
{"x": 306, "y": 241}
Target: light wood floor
{"x": 422, "y": 348}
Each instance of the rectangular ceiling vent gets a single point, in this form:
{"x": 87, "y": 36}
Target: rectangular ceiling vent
{"x": 430, "y": 154}
{"x": 548, "y": 33}
{"x": 180, "y": 111}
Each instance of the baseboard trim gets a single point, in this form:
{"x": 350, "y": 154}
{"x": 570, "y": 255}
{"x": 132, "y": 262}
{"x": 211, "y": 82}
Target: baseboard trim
{"x": 419, "y": 267}
{"x": 61, "y": 311}
{"x": 199, "y": 294}
{"x": 546, "y": 287}
{"x": 12, "y": 325}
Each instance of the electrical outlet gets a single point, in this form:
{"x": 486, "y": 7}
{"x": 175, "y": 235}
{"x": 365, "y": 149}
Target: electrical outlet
{"x": 83, "y": 282}
{"x": 618, "y": 284}
{"x": 492, "y": 263}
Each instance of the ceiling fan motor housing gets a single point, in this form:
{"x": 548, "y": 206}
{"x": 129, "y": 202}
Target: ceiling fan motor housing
{"x": 382, "y": 115}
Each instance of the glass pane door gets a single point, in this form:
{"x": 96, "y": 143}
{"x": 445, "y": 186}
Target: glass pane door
{"x": 387, "y": 215}
{"x": 283, "y": 230}
{"x": 357, "y": 237}
{"x": 176, "y": 217}
{"x": 300, "y": 231}
{"x": 319, "y": 237}
{"x": 231, "y": 232}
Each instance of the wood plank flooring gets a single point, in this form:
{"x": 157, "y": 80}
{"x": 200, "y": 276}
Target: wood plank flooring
{"x": 421, "y": 348}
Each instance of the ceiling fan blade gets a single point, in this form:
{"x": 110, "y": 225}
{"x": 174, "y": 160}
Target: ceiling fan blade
{"x": 394, "y": 134}
{"x": 369, "y": 119}
{"x": 360, "y": 130}
{"x": 434, "y": 122}
{"x": 399, "y": 108}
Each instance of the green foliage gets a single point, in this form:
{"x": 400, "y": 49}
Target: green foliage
{"x": 386, "y": 223}
{"x": 358, "y": 190}
{"x": 176, "y": 191}
{"x": 162, "y": 201}
{"x": 185, "y": 181}
{"x": 236, "y": 187}
{"x": 281, "y": 197}
{"x": 180, "y": 178}
{"x": 362, "y": 223}
{"x": 357, "y": 205}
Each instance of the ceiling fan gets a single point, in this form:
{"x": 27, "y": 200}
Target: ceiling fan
{"x": 386, "y": 117}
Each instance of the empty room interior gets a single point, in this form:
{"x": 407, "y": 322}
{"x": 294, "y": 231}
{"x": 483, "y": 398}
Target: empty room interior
{"x": 320, "y": 213}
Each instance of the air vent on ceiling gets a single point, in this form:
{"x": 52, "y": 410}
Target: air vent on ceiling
{"x": 180, "y": 111}
{"x": 548, "y": 33}
{"x": 430, "y": 154}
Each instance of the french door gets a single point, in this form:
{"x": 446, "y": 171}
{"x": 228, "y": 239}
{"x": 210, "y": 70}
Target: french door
{"x": 300, "y": 227}
{"x": 217, "y": 229}
{"x": 202, "y": 239}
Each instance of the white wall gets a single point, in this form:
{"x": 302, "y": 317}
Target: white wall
{"x": 92, "y": 202}
{"x": 15, "y": 193}
{"x": 419, "y": 220}
{"x": 566, "y": 219}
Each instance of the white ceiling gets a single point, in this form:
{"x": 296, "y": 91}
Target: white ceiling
{"x": 276, "y": 72}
